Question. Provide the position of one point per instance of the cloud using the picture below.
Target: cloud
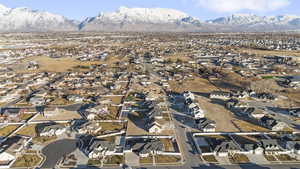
(237, 5)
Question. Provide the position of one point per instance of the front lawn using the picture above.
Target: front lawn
(285, 157)
(114, 160)
(94, 162)
(167, 159)
(238, 158)
(270, 158)
(210, 158)
(146, 160)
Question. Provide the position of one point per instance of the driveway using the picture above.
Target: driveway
(56, 150)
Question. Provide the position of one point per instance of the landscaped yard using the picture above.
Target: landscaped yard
(27, 160)
(238, 158)
(111, 126)
(285, 157)
(114, 160)
(146, 160)
(94, 162)
(167, 159)
(168, 145)
(210, 158)
(270, 158)
(4, 131)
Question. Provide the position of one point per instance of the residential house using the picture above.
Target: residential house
(293, 146)
(97, 148)
(220, 95)
(226, 148)
(254, 148)
(89, 128)
(272, 124)
(295, 82)
(37, 100)
(11, 149)
(93, 112)
(206, 125)
(271, 146)
(49, 130)
(146, 147)
(75, 98)
(155, 127)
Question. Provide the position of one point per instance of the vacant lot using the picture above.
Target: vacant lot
(269, 52)
(60, 115)
(219, 114)
(52, 64)
(246, 126)
(197, 85)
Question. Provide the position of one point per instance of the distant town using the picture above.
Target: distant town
(150, 100)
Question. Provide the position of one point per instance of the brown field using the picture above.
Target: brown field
(61, 115)
(269, 52)
(54, 64)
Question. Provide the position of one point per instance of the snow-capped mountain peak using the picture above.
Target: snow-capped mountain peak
(152, 15)
(26, 19)
(3, 9)
(250, 19)
(140, 18)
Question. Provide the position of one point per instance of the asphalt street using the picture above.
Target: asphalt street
(56, 150)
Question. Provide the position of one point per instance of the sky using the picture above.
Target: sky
(202, 9)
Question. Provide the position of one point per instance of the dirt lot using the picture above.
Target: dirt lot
(197, 85)
(51, 64)
(219, 114)
(56, 64)
(269, 52)
(61, 115)
(246, 126)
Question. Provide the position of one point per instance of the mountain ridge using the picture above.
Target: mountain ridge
(141, 19)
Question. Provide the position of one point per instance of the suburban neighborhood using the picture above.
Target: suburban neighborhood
(149, 101)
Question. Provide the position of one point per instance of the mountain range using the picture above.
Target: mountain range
(141, 19)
